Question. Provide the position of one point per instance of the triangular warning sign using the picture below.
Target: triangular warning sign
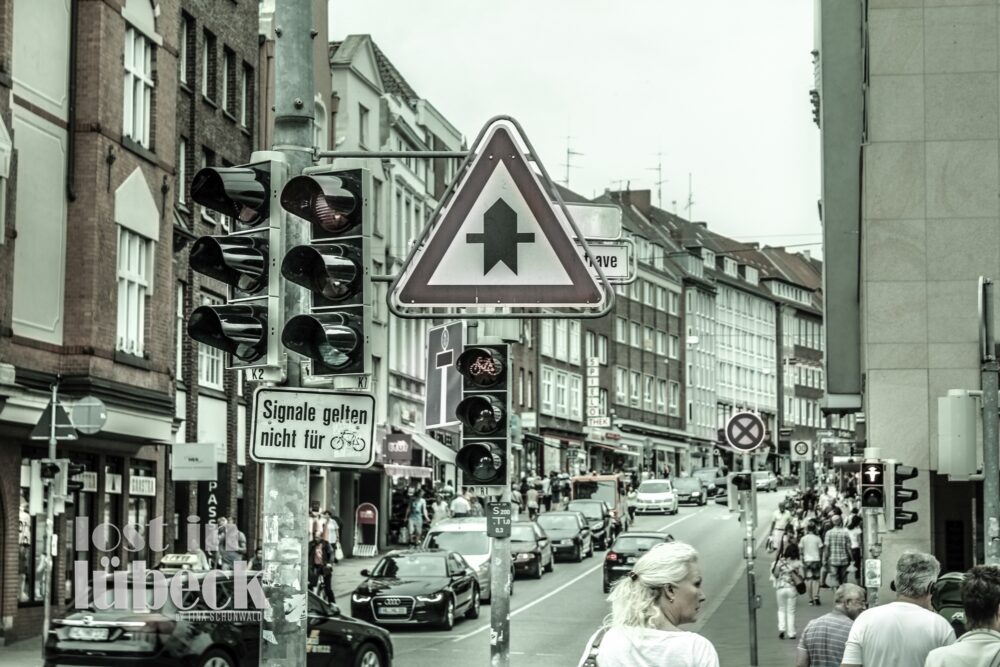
(64, 427)
(498, 241)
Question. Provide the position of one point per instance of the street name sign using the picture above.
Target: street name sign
(612, 257)
(313, 427)
(444, 382)
(745, 431)
(802, 450)
(498, 241)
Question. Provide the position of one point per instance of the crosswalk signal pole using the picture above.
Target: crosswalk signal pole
(748, 509)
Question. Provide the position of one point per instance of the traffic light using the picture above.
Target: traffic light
(741, 481)
(335, 266)
(69, 471)
(484, 413)
(873, 484)
(895, 475)
(245, 326)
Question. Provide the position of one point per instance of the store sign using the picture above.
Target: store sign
(113, 482)
(399, 448)
(142, 486)
(596, 414)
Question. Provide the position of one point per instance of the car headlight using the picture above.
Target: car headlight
(696, 493)
(436, 597)
(361, 597)
(525, 556)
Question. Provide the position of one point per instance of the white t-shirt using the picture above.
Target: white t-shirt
(810, 545)
(899, 634)
(647, 647)
(781, 519)
(460, 505)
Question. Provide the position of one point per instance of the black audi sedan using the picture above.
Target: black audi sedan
(569, 533)
(602, 526)
(203, 635)
(531, 549)
(626, 550)
(417, 586)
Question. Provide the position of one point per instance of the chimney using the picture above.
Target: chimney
(703, 225)
(806, 254)
(642, 200)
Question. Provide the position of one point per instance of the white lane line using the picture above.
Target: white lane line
(568, 583)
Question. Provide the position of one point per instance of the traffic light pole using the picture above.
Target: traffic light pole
(286, 487)
(500, 594)
(991, 439)
(749, 509)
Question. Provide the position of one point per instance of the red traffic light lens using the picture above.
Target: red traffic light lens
(322, 199)
(481, 367)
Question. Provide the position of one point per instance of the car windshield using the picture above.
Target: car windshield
(762, 474)
(466, 543)
(654, 487)
(558, 521)
(410, 565)
(522, 533)
(595, 490)
(634, 544)
(590, 510)
(687, 484)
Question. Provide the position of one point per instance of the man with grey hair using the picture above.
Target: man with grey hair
(822, 642)
(903, 632)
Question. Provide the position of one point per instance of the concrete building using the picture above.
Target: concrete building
(908, 113)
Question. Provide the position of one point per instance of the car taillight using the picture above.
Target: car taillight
(612, 556)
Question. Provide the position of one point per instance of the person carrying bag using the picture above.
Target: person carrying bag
(789, 583)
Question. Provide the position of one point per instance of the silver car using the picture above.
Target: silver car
(468, 537)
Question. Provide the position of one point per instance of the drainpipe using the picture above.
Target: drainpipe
(71, 139)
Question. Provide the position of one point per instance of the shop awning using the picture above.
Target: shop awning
(615, 448)
(438, 450)
(407, 471)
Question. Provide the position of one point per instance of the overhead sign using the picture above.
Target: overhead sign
(193, 462)
(444, 382)
(599, 422)
(745, 431)
(498, 241)
(802, 450)
(613, 258)
(63, 427)
(313, 427)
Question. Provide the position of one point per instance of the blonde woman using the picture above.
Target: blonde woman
(662, 593)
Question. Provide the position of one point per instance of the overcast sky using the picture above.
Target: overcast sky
(719, 87)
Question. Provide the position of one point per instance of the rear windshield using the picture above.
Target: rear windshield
(590, 510)
(522, 533)
(707, 474)
(762, 474)
(559, 521)
(636, 544)
(687, 484)
(654, 487)
(465, 543)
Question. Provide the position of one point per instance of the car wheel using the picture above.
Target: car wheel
(368, 656)
(473, 610)
(216, 658)
(578, 554)
(448, 620)
(537, 573)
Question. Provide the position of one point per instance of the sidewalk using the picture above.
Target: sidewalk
(729, 629)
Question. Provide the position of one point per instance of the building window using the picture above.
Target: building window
(621, 328)
(547, 390)
(575, 397)
(661, 298)
(133, 283)
(621, 385)
(547, 326)
(647, 338)
(661, 396)
(561, 351)
(208, 65)
(647, 392)
(181, 170)
(574, 342)
(138, 87)
(633, 387)
(210, 364)
(362, 126)
(228, 74)
(661, 342)
(182, 49)
(180, 333)
(531, 388)
(633, 334)
(602, 349)
(561, 407)
(674, 303)
(675, 347)
(591, 350)
(603, 398)
(245, 97)
(520, 387)
(675, 398)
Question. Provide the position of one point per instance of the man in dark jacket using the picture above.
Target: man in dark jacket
(321, 565)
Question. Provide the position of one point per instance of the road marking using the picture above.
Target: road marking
(568, 583)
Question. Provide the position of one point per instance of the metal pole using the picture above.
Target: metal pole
(50, 522)
(991, 438)
(500, 579)
(870, 539)
(749, 510)
(286, 487)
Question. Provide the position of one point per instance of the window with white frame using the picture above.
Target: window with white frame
(647, 338)
(228, 57)
(675, 398)
(647, 295)
(208, 65)
(547, 326)
(244, 97)
(675, 347)
(633, 334)
(602, 349)
(661, 342)
(621, 385)
(603, 398)
(634, 380)
(647, 392)
(561, 349)
(574, 342)
(547, 390)
(138, 87)
(591, 345)
(210, 359)
(520, 387)
(179, 322)
(182, 48)
(661, 396)
(575, 396)
(674, 303)
(181, 170)
(531, 388)
(133, 284)
(621, 330)
(561, 394)
(661, 298)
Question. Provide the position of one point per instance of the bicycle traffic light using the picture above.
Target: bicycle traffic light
(335, 267)
(484, 414)
(873, 484)
(895, 475)
(245, 326)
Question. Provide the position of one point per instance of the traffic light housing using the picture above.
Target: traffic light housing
(335, 266)
(484, 413)
(895, 475)
(245, 260)
(741, 481)
(873, 484)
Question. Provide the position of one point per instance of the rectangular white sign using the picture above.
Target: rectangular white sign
(194, 462)
(594, 361)
(595, 221)
(141, 486)
(313, 427)
(599, 421)
(612, 258)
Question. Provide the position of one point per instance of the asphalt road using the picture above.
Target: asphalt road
(552, 618)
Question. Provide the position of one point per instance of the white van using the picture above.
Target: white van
(467, 536)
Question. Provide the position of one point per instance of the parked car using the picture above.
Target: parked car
(765, 480)
(467, 537)
(626, 550)
(599, 517)
(530, 549)
(714, 479)
(110, 637)
(569, 533)
(656, 495)
(417, 586)
(690, 490)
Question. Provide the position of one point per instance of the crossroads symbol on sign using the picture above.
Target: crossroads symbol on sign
(745, 431)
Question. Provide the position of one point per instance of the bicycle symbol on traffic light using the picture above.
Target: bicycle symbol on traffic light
(348, 438)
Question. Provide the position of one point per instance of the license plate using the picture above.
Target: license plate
(393, 611)
(89, 634)
(630, 559)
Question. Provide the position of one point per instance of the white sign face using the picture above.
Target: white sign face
(141, 486)
(594, 362)
(313, 427)
(194, 462)
(873, 573)
(611, 258)
(801, 450)
(603, 422)
(595, 221)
